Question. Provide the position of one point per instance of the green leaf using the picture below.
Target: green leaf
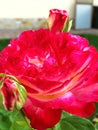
(64, 125)
(12, 121)
(65, 114)
(96, 126)
(21, 123)
(71, 122)
(5, 122)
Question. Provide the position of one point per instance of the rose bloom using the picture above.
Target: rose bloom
(59, 72)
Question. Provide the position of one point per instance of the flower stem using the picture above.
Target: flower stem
(25, 119)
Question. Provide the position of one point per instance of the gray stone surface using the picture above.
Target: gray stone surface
(13, 33)
(18, 23)
(11, 28)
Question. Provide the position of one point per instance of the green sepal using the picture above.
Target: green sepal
(22, 96)
(67, 25)
(1, 83)
(2, 79)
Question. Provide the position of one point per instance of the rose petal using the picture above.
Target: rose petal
(69, 103)
(41, 118)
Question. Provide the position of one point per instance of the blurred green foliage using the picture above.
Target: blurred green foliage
(4, 43)
(12, 121)
(93, 39)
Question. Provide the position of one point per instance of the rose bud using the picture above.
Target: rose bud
(58, 21)
(14, 95)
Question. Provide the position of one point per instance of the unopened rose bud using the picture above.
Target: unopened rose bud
(14, 94)
(58, 21)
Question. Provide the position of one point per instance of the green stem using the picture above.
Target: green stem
(25, 119)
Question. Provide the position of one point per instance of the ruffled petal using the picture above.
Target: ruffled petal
(69, 103)
(81, 109)
(88, 94)
(41, 118)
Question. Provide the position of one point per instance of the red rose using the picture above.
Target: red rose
(59, 72)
